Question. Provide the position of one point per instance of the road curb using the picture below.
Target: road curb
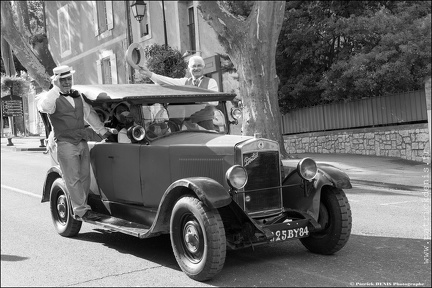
(392, 186)
(14, 148)
(31, 149)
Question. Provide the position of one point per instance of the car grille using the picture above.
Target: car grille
(263, 172)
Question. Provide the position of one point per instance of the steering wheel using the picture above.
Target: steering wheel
(158, 129)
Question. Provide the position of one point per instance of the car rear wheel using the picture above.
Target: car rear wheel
(198, 238)
(336, 221)
(61, 214)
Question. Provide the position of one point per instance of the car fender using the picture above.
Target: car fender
(52, 174)
(209, 191)
(301, 195)
(337, 177)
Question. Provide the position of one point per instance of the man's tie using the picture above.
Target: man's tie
(196, 82)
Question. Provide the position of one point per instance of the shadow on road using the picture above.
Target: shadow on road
(365, 259)
(12, 258)
(156, 249)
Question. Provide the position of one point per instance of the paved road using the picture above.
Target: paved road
(386, 246)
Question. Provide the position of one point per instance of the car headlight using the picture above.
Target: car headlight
(136, 133)
(307, 168)
(236, 113)
(236, 177)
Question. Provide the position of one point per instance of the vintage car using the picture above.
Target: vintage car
(183, 174)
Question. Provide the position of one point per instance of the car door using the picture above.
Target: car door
(117, 171)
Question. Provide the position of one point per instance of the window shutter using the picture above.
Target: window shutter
(109, 11)
(113, 68)
(99, 71)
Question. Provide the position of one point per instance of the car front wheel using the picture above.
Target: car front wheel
(61, 214)
(198, 238)
(336, 221)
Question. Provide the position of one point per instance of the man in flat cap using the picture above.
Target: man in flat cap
(68, 114)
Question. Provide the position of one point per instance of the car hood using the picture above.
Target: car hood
(200, 139)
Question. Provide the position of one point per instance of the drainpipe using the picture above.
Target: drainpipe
(130, 71)
(164, 22)
(197, 31)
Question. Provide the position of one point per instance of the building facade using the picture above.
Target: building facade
(93, 36)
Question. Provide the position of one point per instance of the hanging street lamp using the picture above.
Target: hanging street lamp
(138, 9)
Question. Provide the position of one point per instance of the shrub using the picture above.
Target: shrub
(163, 60)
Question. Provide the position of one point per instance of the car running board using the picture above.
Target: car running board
(120, 225)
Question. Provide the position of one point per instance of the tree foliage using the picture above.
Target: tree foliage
(14, 85)
(36, 18)
(163, 60)
(345, 50)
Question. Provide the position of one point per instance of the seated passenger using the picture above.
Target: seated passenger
(204, 117)
(156, 117)
(122, 121)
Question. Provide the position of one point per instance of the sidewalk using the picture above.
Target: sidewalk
(30, 143)
(389, 172)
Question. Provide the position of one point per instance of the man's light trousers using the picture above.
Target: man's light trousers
(75, 163)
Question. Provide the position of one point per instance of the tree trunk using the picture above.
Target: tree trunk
(39, 42)
(21, 48)
(7, 57)
(251, 45)
(40, 48)
(23, 18)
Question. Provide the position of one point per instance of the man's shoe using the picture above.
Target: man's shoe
(90, 216)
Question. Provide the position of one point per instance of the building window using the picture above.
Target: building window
(191, 27)
(106, 71)
(107, 68)
(144, 25)
(144, 29)
(103, 18)
(64, 31)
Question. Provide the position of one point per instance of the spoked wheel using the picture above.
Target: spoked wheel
(198, 238)
(335, 219)
(61, 214)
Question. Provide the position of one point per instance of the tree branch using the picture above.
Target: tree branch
(21, 48)
(221, 20)
(23, 18)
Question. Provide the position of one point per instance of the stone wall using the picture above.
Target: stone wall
(409, 142)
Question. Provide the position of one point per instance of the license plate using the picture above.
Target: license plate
(290, 230)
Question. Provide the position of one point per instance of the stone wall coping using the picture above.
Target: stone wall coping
(361, 130)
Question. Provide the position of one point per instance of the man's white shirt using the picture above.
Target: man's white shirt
(46, 103)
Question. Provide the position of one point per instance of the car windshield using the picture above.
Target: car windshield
(161, 119)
